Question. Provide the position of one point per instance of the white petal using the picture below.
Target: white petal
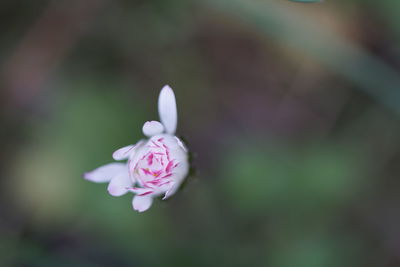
(142, 203)
(134, 159)
(181, 144)
(120, 184)
(124, 152)
(105, 173)
(167, 109)
(172, 190)
(151, 128)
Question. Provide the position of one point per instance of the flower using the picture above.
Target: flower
(155, 166)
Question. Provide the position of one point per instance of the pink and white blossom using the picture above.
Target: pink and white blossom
(155, 166)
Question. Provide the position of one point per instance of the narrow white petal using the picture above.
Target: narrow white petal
(124, 152)
(181, 144)
(151, 128)
(105, 173)
(142, 203)
(167, 109)
(120, 184)
(172, 190)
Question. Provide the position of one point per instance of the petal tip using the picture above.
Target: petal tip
(142, 204)
(123, 152)
(115, 192)
(112, 191)
(88, 176)
(141, 209)
(167, 92)
(151, 128)
(104, 173)
(115, 156)
(167, 88)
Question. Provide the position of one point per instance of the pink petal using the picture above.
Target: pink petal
(142, 203)
(169, 166)
(167, 109)
(120, 184)
(140, 191)
(151, 128)
(105, 173)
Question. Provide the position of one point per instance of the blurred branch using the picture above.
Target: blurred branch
(368, 72)
(44, 47)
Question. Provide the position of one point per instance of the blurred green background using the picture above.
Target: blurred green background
(290, 110)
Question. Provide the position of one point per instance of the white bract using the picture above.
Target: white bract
(155, 166)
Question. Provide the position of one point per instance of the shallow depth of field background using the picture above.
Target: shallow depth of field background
(291, 112)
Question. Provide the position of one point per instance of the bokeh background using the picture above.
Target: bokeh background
(291, 112)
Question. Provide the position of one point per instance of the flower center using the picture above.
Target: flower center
(155, 167)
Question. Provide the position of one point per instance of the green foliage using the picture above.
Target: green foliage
(270, 178)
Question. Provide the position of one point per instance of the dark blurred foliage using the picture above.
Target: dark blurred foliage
(290, 110)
